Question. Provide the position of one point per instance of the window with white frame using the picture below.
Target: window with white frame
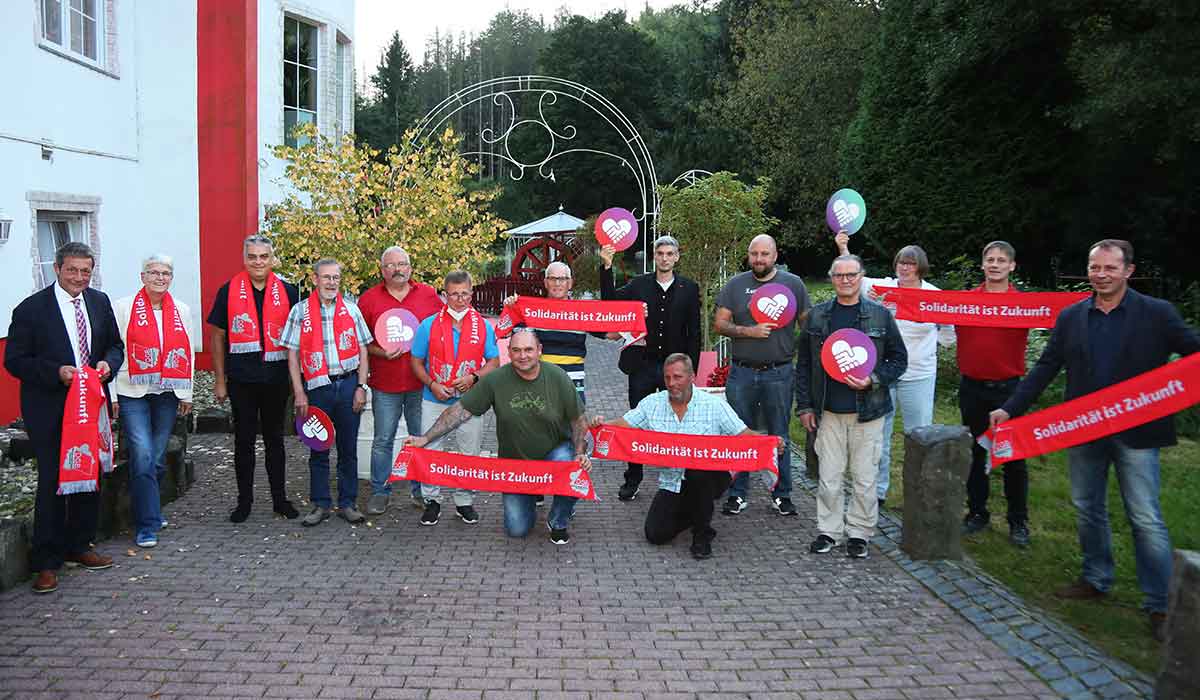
(300, 48)
(54, 230)
(341, 69)
(76, 26)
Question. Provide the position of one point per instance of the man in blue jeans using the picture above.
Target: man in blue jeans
(538, 417)
(759, 386)
(1115, 335)
(327, 340)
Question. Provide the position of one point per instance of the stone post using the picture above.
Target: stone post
(936, 461)
(1180, 676)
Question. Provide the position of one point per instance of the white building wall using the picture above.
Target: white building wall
(335, 20)
(121, 139)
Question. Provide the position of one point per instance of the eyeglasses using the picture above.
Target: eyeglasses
(329, 278)
(845, 275)
(558, 279)
(393, 266)
(458, 295)
(158, 273)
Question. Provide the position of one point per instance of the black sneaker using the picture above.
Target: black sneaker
(822, 545)
(856, 547)
(975, 522)
(559, 536)
(701, 550)
(239, 514)
(628, 492)
(784, 506)
(734, 505)
(467, 513)
(433, 512)
(1018, 534)
(287, 510)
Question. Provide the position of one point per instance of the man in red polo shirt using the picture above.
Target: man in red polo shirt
(395, 390)
(992, 362)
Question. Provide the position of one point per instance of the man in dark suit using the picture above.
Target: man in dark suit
(672, 325)
(1115, 335)
(54, 332)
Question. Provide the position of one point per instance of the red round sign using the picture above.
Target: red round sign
(315, 430)
(616, 227)
(773, 303)
(395, 330)
(848, 352)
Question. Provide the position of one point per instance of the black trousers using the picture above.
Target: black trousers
(61, 524)
(976, 400)
(645, 381)
(692, 508)
(252, 405)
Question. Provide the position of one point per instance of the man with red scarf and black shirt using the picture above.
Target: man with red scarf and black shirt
(452, 350)
(250, 369)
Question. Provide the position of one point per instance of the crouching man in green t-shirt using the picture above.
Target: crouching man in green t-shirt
(538, 417)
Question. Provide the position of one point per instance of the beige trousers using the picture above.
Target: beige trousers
(843, 442)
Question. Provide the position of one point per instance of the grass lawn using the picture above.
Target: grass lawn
(1117, 625)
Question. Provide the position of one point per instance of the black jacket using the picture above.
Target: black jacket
(811, 379)
(1153, 331)
(680, 324)
(38, 344)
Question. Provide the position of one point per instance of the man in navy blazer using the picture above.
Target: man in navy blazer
(1115, 335)
(44, 350)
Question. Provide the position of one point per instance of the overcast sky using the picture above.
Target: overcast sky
(375, 20)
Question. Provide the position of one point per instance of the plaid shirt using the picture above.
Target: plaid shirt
(706, 415)
(290, 338)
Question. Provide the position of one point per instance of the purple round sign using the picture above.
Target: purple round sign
(395, 330)
(848, 352)
(846, 211)
(315, 430)
(773, 303)
(616, 227)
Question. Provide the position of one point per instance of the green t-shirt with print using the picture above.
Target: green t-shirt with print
(532, 417)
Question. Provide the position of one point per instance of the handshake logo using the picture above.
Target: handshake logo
(580, 483)
(397, 332)
(847, 356)
(774, 306)
(314, 429)
(616, 230)
(845, 213)
(400, 468)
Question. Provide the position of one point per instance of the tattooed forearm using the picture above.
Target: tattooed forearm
(579, 431)
(450, 419)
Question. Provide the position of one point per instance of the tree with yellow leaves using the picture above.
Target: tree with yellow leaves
(348, 203)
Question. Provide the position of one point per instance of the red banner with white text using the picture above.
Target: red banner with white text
(993, 309)
(733, 453)
(493, 474)
(1133, 402)
(573, 315)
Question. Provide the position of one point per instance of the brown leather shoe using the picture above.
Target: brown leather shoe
(1158, 626)
(1080, 590)
(46, 581)
(89, 560)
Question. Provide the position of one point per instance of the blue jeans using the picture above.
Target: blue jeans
(520, 510)
(763, 400)
(337, 400)
(146, 423)
(1138, 478)
(913, 398)
(388, 408)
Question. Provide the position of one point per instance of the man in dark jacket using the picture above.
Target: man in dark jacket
(848, 417)
(672, 325)
(54, 332)
(1113, 336)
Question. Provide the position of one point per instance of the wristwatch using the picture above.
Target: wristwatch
(475, 377)
(362, 386)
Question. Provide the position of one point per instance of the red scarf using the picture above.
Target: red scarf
(312, 341)
(446, 365)
(732, 453)
(166, 363)
(493, 474)
(87, 444)
(573, 315)
(995, 309)
(1128, 404)
(244, 321)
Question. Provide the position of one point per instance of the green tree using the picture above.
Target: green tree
(714, 221)
(382, 120)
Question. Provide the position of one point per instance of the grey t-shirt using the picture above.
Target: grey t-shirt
(781, 345)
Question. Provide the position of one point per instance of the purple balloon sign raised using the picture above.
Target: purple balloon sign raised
(846, 211)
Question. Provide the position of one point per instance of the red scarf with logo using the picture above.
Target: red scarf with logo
(446, 365)
(243, 317)
(731, 453)
(312, 341)
(87, 444)
(573, 315)
(166, 362)
(995, 309)
(1128, 404)
(493, 474)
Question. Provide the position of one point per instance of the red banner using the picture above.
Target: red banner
(1133, 402)
(993, 309)
(573, 315)
(732, 453)
(492, 474)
